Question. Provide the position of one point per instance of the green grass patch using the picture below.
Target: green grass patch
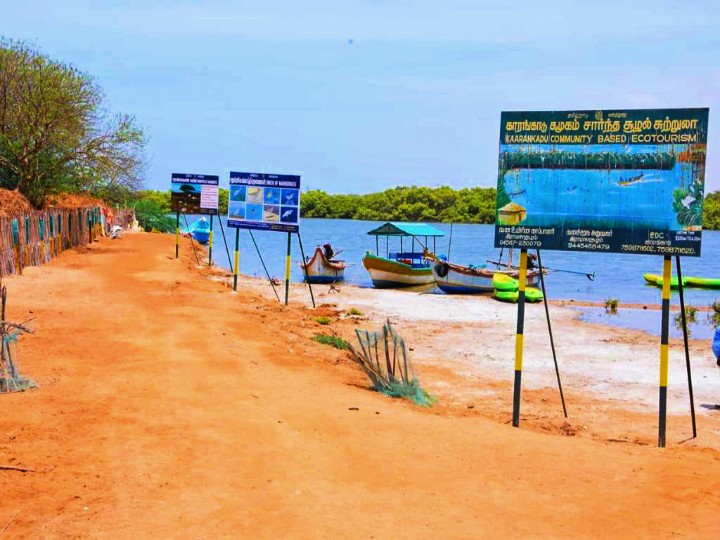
(356, 312)
(333, 341)
(323, 320)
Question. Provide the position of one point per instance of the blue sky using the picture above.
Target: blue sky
(365, 95)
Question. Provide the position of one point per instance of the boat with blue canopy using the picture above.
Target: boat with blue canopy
(404, 267)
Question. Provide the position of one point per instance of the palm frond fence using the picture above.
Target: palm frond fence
(35, 238)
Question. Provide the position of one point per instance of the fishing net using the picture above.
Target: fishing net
(10, 378)
(383, 357)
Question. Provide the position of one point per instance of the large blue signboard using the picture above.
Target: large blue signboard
(269, 202)
(194, 193)
(623, 181)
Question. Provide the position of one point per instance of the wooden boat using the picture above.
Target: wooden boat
(401, 268)
(318, 269)
(456, 279)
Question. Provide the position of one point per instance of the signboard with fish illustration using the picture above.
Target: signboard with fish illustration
(194, 193)
(268, 202)
(620, 181)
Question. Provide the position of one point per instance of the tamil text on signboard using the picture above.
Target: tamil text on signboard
(264, 201)
(623, 181)
(194, 193)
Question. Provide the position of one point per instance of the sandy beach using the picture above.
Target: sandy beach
(170, 406)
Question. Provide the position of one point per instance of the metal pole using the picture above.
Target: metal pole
(236, 267)
(664, 334)
(177, 234)
(552, 342)
(687, 348)
(519, 338)
(227, 250)
(307, 279)
(449, 243)
(263, 264)
(287, 271)
(192, 244)
(211, 241)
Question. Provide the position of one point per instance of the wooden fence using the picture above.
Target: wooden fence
(37, 237)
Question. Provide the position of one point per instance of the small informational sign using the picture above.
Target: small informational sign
(194, 193)
(620, 181)
(268, 202)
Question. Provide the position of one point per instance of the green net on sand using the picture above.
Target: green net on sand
(383, 357)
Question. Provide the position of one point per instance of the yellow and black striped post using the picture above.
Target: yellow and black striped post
(287, 271)
(236, 267)
(664, 334)
(522, 279)
(177, 235)
(210, 241)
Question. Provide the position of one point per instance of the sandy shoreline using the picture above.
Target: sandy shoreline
(170, 406)
(476, 334)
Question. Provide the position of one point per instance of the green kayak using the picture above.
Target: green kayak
(705, 283)
(656, 280)
(505, 283)
(689, 281)
(531, 295)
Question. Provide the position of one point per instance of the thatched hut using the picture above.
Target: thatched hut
(511, 214)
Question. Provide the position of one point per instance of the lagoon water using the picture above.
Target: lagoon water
(616, 276)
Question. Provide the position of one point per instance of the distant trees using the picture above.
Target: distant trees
(407, 203)
(443, 204)
(55, 134)
(711, 211)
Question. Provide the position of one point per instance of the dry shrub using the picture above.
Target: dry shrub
(13, 204)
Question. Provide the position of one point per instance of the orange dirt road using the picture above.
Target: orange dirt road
(169, 407)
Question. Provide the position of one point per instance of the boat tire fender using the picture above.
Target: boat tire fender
(442, 269)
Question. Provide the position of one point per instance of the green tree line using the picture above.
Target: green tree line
(411, 203)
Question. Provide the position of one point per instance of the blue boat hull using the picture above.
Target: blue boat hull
(201, 236)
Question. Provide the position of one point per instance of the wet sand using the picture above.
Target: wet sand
(170, 406)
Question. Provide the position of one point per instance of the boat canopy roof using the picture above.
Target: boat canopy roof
(392, 228)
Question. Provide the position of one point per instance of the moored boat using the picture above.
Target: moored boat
(457, 279)
(199, 230)
(320, 269)
(401, 268)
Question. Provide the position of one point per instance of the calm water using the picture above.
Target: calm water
(616, 276)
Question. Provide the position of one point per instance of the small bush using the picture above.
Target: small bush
(611, 305)
(150, 215)
(356, 312)
(333, 341)
(713, 317)
(323, 320)
(690, 318)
